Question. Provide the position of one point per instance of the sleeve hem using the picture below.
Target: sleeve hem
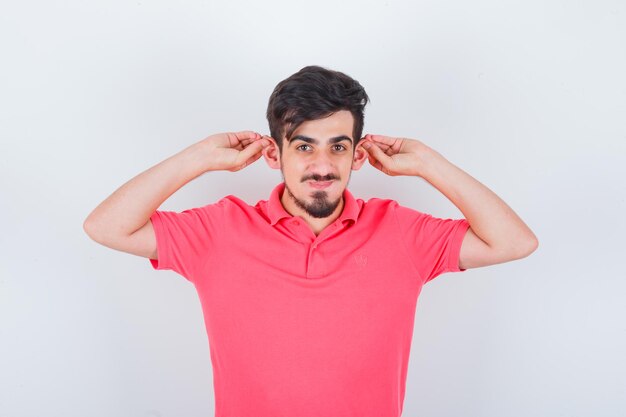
(161, 262)
(455, 247)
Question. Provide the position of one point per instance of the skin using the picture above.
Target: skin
(496, 234)
(301, 162)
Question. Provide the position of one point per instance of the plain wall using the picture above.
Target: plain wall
(527, 97)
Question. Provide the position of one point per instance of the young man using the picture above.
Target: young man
(309, 297)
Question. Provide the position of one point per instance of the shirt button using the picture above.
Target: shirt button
(297, 223)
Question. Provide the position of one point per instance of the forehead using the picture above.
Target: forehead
(340, 123)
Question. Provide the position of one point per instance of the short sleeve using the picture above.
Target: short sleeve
(185, 239)
(434, 244)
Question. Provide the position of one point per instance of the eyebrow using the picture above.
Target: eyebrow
(307, 139)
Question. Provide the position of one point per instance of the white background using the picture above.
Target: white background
(529, 97)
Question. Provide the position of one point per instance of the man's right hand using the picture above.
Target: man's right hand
(234, 151)
(122, 221)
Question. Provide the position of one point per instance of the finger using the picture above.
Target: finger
(388, 140)
(382, 159)
(379, 138)
(243, 137)
(373, 162)
(247, 134)
(374, 150)
(248, 140)
(384, 142)
(384, 146)
(249, 154)
(254, 158)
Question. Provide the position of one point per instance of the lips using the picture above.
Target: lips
(320, 184)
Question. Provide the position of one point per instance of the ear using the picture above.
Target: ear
(360, 155)
(271, 153)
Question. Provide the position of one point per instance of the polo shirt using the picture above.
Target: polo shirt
(305, 325)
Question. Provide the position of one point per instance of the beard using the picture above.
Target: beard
(320, 207)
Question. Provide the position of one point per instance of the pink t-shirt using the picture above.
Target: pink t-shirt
(302, 325)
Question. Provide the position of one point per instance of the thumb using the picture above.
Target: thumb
(252, 152)
(381, 159)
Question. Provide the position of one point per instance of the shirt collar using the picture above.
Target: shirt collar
(276, 211)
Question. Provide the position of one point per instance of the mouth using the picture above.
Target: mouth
(320, 184)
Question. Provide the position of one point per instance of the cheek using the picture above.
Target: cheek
(346, 166)
(293, 171)
(296, 167)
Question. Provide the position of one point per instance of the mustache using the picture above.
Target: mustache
(321, 178)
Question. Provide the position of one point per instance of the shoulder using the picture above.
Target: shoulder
(377, 204)
(227, 207)
(232, 204)
(376, 209)
(232, 201)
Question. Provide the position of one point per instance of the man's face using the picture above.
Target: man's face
(317, 163)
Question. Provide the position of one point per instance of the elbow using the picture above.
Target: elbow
(535, 245)
(529, 246)
(533, 242)
(89, 229)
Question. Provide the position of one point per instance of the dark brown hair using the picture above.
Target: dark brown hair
(313, 93)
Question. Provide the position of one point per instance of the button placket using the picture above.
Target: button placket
(315, 267)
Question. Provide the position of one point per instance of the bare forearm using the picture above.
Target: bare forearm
(488, 215)
(131, 205)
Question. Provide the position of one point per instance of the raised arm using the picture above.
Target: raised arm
(496, 234)
(122, 221)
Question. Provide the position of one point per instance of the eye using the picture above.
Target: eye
(341, 147)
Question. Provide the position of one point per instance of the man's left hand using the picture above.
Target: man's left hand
(395, 156)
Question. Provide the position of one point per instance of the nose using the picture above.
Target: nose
(323, 167)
